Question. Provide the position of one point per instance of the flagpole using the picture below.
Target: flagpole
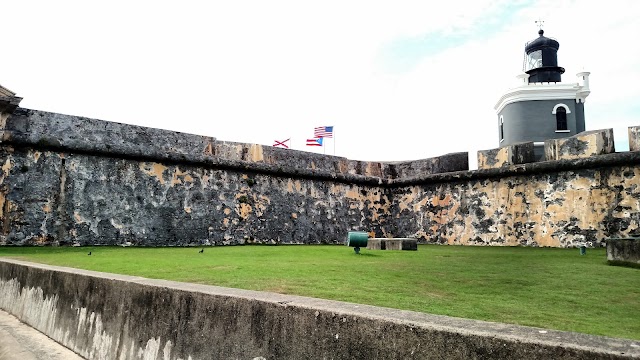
(334, 141)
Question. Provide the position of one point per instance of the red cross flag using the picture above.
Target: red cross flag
(282, 143)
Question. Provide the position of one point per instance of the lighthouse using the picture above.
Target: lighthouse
(542, 107)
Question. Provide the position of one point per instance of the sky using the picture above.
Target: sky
(398, 80)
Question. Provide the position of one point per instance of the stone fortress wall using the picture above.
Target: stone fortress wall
(69, 180)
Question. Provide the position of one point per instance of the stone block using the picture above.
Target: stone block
(436, 165)
(493, 158)
(367, 168)
(623, 251)
(520, 153)
(582, 145)
(392, 244)
(409, 244)
(634, 138)
(375, 244)
(8, 104)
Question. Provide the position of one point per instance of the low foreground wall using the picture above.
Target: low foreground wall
(624, 251)
(106, 316)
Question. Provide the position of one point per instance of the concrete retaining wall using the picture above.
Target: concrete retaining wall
(106, 316)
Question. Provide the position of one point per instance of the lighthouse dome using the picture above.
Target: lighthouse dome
(541, 42)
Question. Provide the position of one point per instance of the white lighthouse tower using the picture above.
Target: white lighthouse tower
(542, 107)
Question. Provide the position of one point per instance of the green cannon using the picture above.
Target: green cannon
(357, 239)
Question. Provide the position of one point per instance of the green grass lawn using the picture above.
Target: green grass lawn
(543, 287)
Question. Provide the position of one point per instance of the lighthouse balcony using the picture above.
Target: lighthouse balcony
(577, 91)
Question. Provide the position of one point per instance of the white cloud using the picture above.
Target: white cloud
(254, 71)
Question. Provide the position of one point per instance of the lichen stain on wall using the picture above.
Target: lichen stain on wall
(405, 201)
(360, 198)
(5, 205)
(149, 203)
(294, 186)
(238, 151)
(6, 168)
(116, 200)
(484, 212)
(35, 156)
(243, 209)
(180, 177)
(255, 153)
(493, 159)
(564, 209)
(154, 169)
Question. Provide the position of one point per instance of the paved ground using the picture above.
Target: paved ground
(21, 342)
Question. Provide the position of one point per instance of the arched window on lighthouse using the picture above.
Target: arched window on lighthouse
(561, 111)
(501, 128)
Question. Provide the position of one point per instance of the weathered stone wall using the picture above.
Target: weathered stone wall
(71, 180)
(441, 164)
(107, 316)
(256, 153)
(560, 204)
(68, 198)
(583, 145)
(45, 130)
(42, 129)
(514, 154)
(634, 138)
(278, 157)
(8, 104)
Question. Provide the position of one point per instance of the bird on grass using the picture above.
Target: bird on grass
(201, 251)
(89, 253)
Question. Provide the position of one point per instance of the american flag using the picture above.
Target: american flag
(314, 142)
(323, 132)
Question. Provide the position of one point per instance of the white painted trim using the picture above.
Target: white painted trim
(538, 143)
(563, 131)
(555, 108)
(524, 78)
(542, 91)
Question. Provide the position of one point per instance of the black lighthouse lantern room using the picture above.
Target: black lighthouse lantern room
(541, 60)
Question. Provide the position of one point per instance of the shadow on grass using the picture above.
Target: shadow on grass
(365, 254)
(623, 264)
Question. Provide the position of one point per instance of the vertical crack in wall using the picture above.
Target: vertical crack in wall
(63, 218)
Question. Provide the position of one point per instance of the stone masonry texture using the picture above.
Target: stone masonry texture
(585, 144)
(68, 180)
(558, 209)
(520, 153)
